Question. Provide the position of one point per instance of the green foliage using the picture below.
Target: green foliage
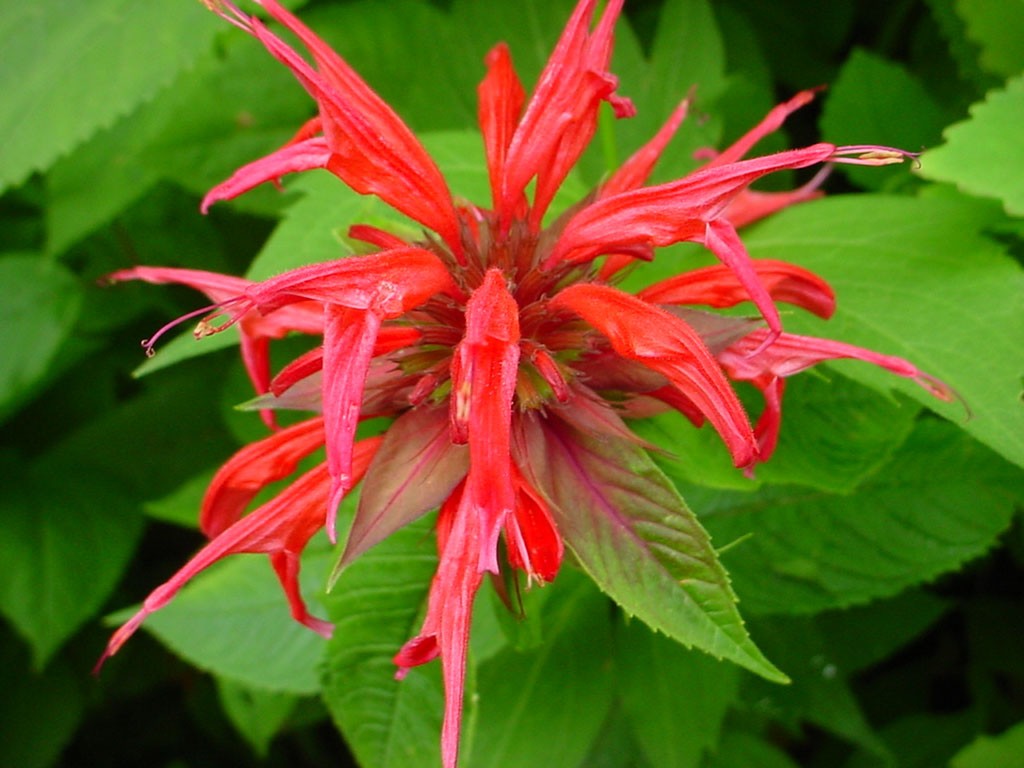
(878, 556)
(979, 151)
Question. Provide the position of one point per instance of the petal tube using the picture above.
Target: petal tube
(666, 344)
(483, 385)
(445, 630)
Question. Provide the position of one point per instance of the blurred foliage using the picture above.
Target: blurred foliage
(879, 558)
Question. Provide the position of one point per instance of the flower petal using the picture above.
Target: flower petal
(251, 469)
(445, 630)
(372, 150)
(500, 97)
(484, 372)
(665, 344)
(718, 286)
(284, 524)
(292, 158)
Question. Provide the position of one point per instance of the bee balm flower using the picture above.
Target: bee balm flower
(497, 341)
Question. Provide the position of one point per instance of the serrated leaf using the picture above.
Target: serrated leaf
(997, 26)
(636, 538)
(233, 621)
(545, 706)
(859, 109)
(376, 606)
(835, 433)
(811, 551)
(652, 671)
(914, 278)
(58, 522)
(979, 151)
(79, 66)
(42, 301)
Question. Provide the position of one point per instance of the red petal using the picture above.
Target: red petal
(483, 384)
(669, 213)
(251, 469)
(634, 172)
(372, 150)
(500, 98)
(349, 336)
(718, 286)
(303, 156)
(390, 282)
(666, 344)
(534, 545)
(561, 116)
(446, 628)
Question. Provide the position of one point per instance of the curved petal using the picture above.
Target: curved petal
(251, 469)
(665, 344)
(302, 156)
(281, 528)
(484, 372)
(718, 286)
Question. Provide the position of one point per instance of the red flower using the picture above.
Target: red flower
(495, 333)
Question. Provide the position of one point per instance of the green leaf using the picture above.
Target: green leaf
(914, 278)
(995, 25)
(835, 433)
(79, 66)
(258, 715)
(545, 706)
(652, 674)
(861, 636)
(1002, 751)
(819, 693)
(40, 710)
(636, 538)
(914, 520)
(376, 606)
(740, 749)
(978, 151)
(859, 108)
(233, 621)
(42, 301)
(58, 522)
(423, 62)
